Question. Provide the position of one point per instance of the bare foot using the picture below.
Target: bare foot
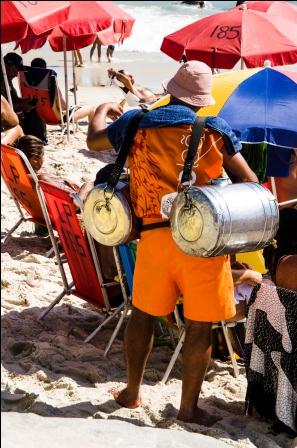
(198, 416)
(125, 399)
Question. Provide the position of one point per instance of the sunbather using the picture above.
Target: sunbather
(25, 108)
(80, 112)
(134, 94)
(33, 148)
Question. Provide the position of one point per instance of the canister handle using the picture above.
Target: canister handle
(198, 127)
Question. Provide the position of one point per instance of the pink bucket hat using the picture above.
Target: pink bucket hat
(192, 84)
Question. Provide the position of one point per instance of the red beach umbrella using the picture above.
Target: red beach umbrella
(282, 9)
(19, 19)
(221, 40)
(108, 21)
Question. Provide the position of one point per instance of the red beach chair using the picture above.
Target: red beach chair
(79, 249)
(41, 83)
(21, 182)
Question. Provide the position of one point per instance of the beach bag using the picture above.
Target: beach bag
(108, 212)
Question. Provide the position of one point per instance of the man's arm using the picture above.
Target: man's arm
(12, 135)
(9, 118)
(97, 139)
(237, 166)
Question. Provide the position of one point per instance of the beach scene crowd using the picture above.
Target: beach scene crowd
(149, 224)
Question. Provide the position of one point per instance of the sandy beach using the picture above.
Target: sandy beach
(46, 367)
(49, 375)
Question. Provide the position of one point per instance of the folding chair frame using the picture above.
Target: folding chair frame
(71, 117)
(182, 334)
(70, 289)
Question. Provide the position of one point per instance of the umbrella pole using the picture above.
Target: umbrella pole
(241, 64)
(66, 87)
(6, 80)
(74, 80)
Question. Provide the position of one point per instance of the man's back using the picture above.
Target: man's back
(157, 156)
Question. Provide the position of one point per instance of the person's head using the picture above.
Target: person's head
(191, 85)
(124, 72)
(13, 64)
(38, 63)
(33, 148)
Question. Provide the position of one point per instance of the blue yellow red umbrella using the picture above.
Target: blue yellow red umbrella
(259, 104)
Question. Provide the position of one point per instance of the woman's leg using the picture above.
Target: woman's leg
(80, 57)
(83, 112)
(92, 50)
(99, 52)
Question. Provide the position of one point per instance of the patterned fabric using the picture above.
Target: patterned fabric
(171, 115)
(271, 355)
(156, 163)
(160, 147)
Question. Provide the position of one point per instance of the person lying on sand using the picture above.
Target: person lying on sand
(134, 94)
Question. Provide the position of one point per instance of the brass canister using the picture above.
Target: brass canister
(109, 216)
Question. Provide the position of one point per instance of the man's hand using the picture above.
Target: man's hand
(114, 110)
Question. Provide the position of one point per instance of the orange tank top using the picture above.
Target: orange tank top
(156, 163)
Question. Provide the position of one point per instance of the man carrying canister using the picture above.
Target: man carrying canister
(163, 271)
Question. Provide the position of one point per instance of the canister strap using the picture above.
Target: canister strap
(154, 225)
(198, 127)
(124, 150)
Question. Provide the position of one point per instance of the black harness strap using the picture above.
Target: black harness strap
(124, 150)
(198, 127)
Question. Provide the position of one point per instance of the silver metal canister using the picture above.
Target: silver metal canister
(110, 218)
(214, 220)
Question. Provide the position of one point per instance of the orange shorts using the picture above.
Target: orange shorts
(163, 272)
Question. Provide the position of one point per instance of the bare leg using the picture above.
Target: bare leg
(84, 190)
(80, 57)
(84, 111)
(13, 134)
(92, 50)
(196, 356)
(99, 52)
(75, 58)
(138, 344)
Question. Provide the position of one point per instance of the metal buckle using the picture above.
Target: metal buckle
(108, 198)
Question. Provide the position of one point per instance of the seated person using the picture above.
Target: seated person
(244, 280)
(33, 148)
(286, 272)
(80, 112)
(285, 240)
(25, 108)
(10, 128)
(134, 94)
(38, 63)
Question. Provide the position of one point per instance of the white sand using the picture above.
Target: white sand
(46, 368)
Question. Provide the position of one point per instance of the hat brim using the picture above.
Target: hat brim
(185, 95)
